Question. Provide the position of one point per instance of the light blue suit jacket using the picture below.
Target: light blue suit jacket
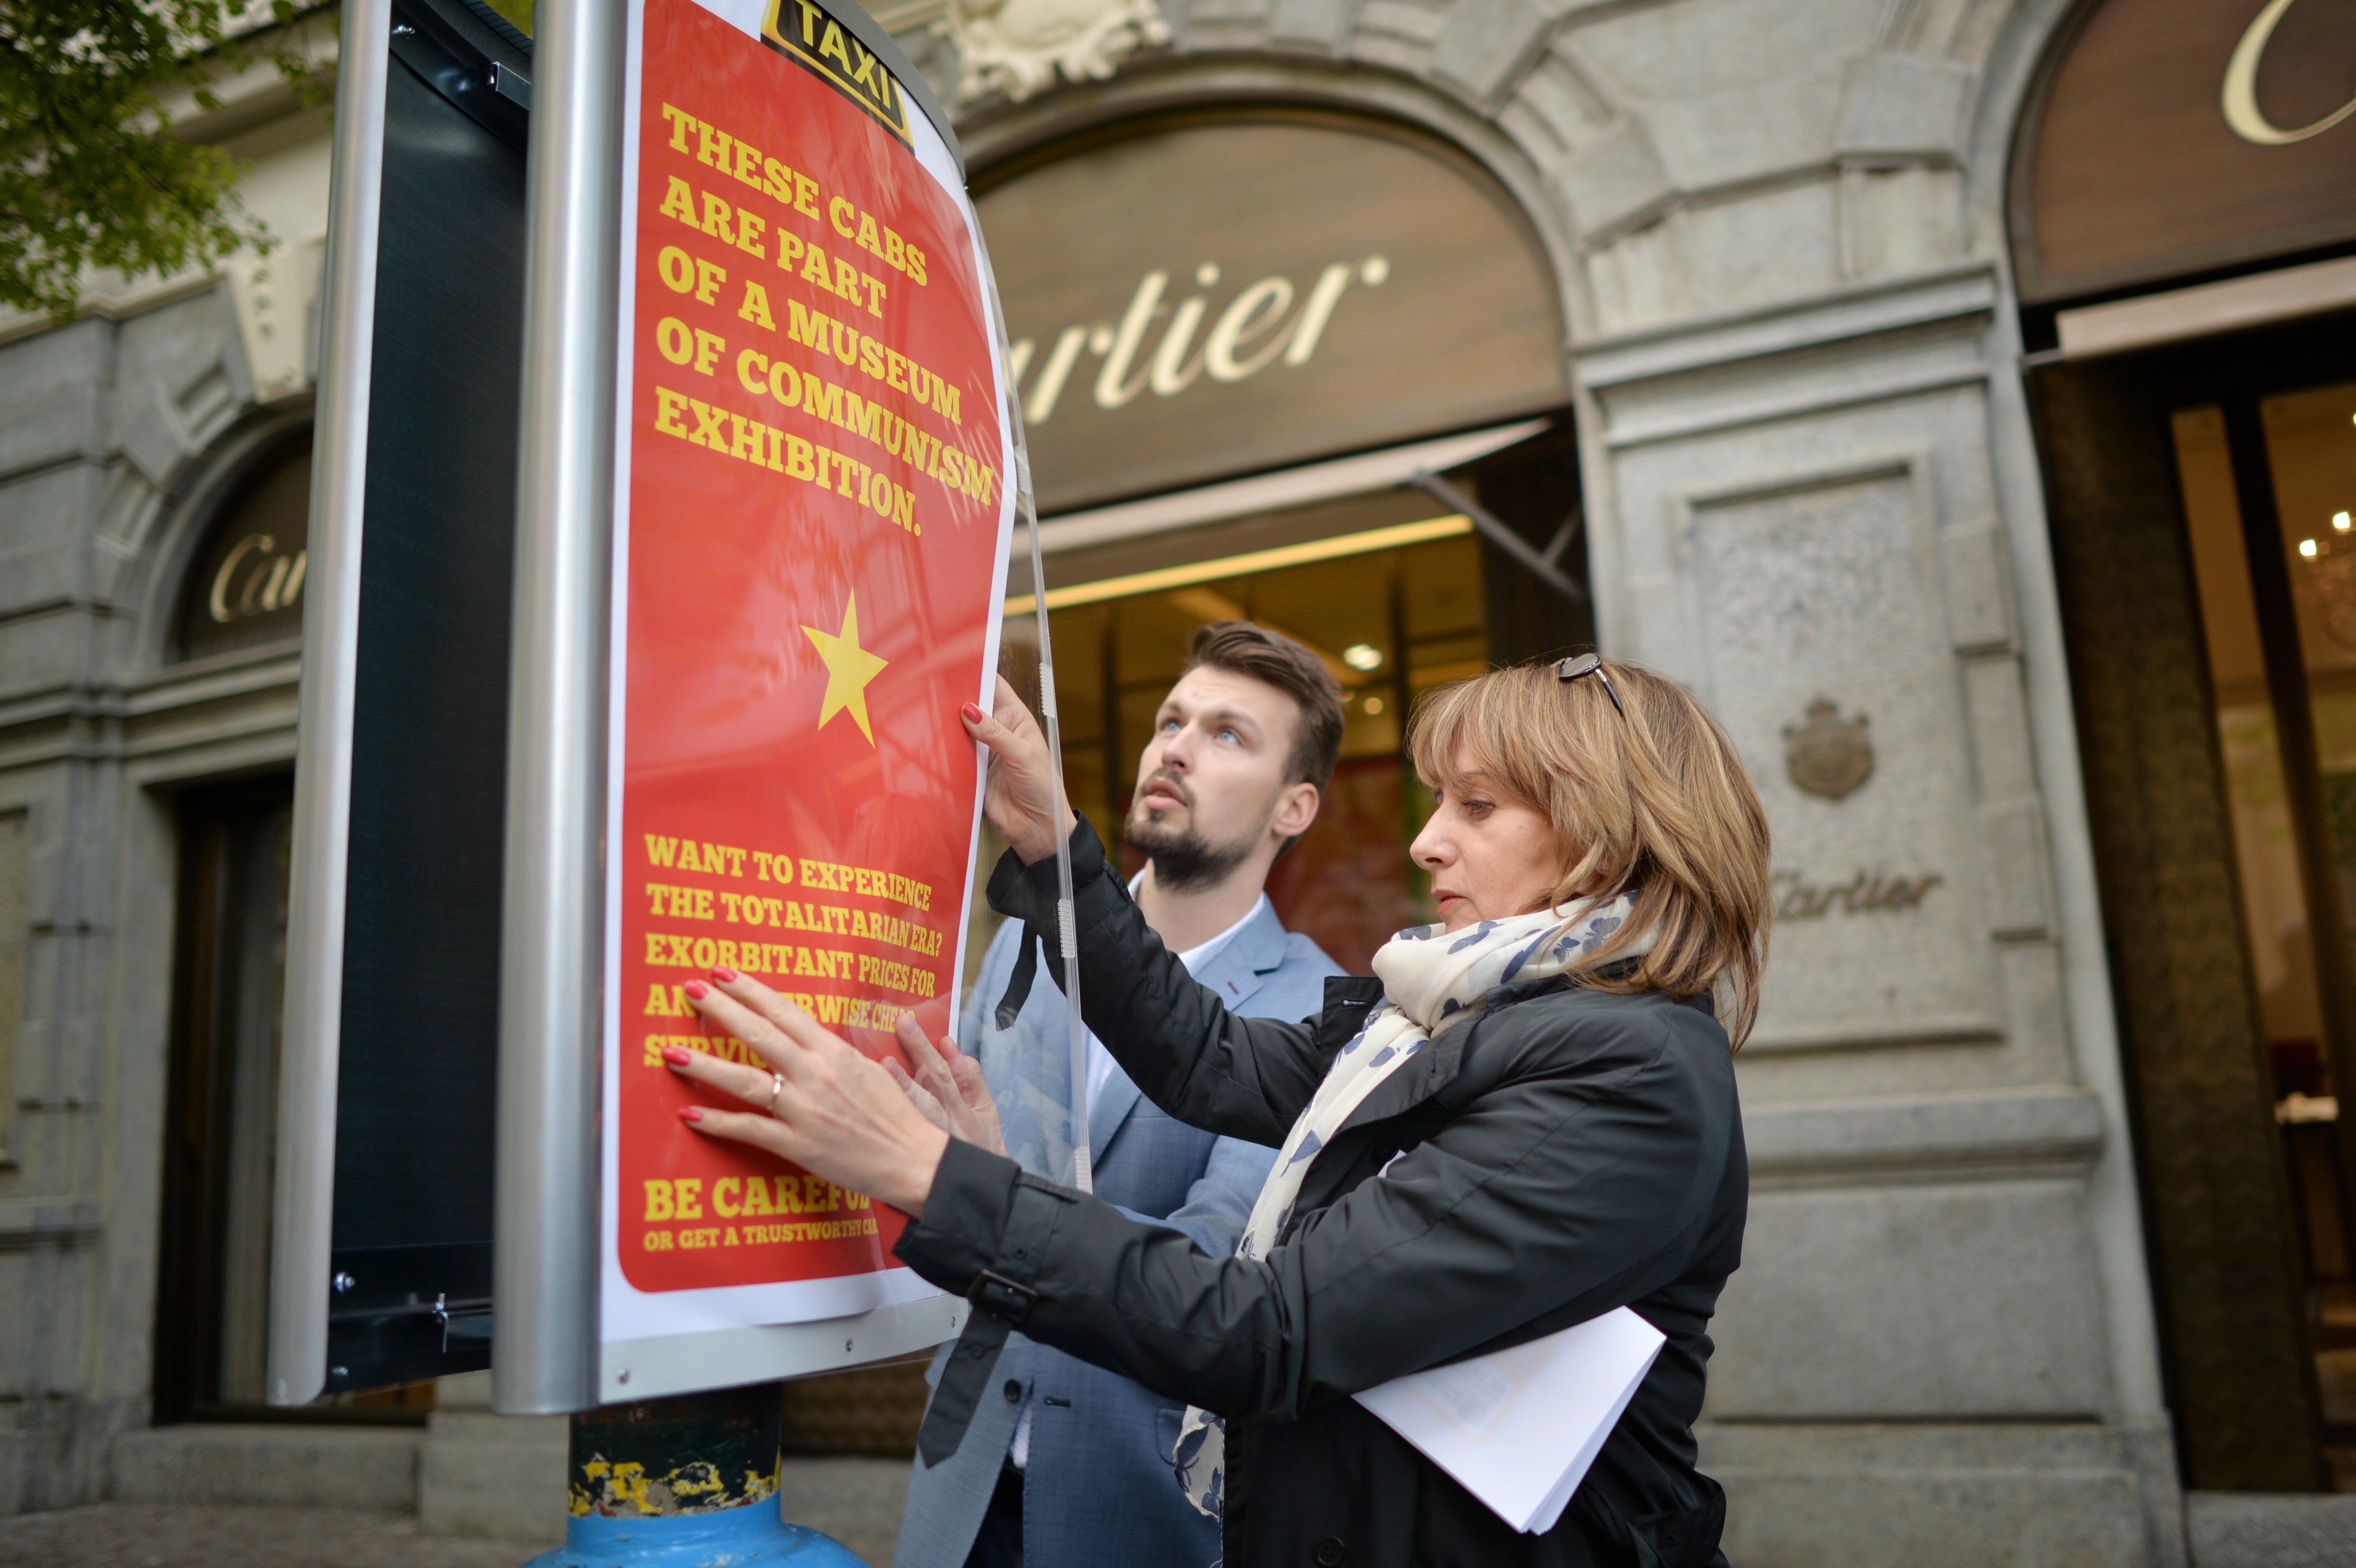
(1097, 1491)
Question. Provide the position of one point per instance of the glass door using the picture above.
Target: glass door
(212, 1299)
(221, 1135)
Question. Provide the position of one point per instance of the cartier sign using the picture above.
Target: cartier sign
(246, 584)
(2180, 135)
(1199, 299)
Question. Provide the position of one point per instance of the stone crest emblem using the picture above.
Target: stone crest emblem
(1829, 755)
(1016, 47)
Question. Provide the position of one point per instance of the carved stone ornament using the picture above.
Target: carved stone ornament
(1829, 755)
(1016, 47)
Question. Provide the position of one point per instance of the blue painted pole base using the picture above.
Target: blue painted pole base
(755, 1536)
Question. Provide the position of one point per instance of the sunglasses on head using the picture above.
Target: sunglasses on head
(1578, 664)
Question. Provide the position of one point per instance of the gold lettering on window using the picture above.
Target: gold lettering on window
(2241, 95)
(1256, 328)
(253, 580)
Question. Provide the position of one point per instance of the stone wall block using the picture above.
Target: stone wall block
(69, 1265)
(1998, 708)
(148, 430)
(1975, 574)
(48, 394)
(2239, 1530)
(37, 1035)
(1397, 35)
(53, 1454)
(1222, 24)
(501, 1477)
(1615, 182)
(1314, 24)
(2040, 1126)
(16, 1467)
(1904, 105)
(41, 553)
(124, 522)
(1553, 108)
(16, 1307)
(2019, 879)
(369, 1468)
(1820, 588)
(181, 378)
(1901, 219)
(2036, 1012)
(40, 651)
(182, 343)
(1930, 1300)
(157, 422)
(36, 433)
(1928, 1496)
(1488, 44)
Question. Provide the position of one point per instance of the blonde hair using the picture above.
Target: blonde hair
(1654, 801)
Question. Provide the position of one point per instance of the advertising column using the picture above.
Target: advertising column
(812, 519)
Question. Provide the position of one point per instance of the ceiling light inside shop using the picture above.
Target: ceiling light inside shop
(1374, 705)
(2306, 548)
(1396, 537)
(1364, 656)
(2339, 521)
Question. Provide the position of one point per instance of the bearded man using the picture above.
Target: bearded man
(1071, 1468)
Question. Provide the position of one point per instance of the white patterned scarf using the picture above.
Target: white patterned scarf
(1432, 981)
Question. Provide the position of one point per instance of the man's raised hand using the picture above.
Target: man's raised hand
(1020, 799)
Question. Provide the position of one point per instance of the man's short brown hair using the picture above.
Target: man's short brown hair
(1279, 661)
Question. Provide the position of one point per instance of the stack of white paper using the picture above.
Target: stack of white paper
(1518, 1429)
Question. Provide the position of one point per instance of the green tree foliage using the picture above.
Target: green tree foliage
(93, 172)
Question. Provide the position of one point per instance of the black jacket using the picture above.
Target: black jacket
(1571, 1152)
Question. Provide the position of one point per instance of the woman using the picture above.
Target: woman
(1528, 1121)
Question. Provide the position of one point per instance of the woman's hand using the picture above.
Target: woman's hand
(824, 1106)
(948, 1088)
(1020, 799)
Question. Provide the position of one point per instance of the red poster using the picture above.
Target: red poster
(813, 510)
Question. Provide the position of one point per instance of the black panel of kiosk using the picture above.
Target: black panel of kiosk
(416, 1094)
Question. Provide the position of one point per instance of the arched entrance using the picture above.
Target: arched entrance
(2183, 213)
(1240, 334)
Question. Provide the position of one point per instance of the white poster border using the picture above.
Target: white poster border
(672, 1341)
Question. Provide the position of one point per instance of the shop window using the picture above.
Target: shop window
(2279, 618)
(1391, 620)
(245, 587)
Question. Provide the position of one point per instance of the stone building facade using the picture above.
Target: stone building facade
(1778, 242)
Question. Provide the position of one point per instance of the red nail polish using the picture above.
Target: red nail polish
(972, 712)
(697, 989)
(677, 1055)
(691, 1113)
(723, 974)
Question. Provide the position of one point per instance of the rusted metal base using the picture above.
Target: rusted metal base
(689, 1482)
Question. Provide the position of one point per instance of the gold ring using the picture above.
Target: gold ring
(777, 1082)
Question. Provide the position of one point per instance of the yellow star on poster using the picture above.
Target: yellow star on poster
(849, 668)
